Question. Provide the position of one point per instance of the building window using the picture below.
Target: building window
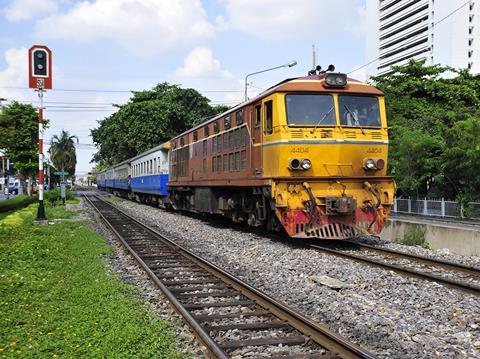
(226, 123)
(219, 143)
(204, 147)
(239, 117)
(472, 4)
(470, 53)
(204, 165)
(182, 141)
(470, 65)
(470, 17)
(470, 42)
(214, 164)
(195, 136)
(470, 30)
(216, 126)
(206, 131)
(269, 117)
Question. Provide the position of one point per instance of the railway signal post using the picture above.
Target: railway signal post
(40, 79)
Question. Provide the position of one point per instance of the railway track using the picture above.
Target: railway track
(226, 314)
(452, 274)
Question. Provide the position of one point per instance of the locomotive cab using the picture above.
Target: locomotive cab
(325, 147)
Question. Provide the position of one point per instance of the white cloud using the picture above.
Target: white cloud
(144, 27)
(201, 63)
(202, 70)
(19, 10)
(280, 19)
(15, 74)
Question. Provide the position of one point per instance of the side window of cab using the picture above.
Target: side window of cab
(268, 117)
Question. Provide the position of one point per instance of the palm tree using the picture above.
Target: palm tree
(62, 152)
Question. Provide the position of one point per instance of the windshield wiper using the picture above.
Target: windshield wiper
(355, 119)
(323, 118)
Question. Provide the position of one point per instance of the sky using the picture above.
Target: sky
(103, 49)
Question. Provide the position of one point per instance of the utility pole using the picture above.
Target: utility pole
(314, 57)
(4, 170)
(41, 207)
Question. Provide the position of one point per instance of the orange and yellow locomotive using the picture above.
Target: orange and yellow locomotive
(308, 155)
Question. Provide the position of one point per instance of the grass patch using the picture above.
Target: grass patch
(56, 299)
(54, 196)
(113, 199)
(415, 236)
(17, 202)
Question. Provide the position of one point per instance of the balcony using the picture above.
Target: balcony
(382, 70)
(409, 52)
(405, 24)
(400, 7)
(405, 34)
(406, 43)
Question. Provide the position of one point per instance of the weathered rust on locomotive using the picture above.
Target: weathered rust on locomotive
(308, 155)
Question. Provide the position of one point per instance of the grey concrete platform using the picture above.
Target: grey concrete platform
(457, 236)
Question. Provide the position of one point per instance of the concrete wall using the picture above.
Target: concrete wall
(458, 239)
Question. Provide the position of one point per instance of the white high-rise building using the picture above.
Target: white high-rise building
(445, 32)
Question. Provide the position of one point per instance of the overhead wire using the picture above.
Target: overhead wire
(107, 91)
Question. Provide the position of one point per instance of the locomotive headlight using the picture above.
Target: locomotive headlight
(295, 164)
(336, 80)
(369, 164)
(306, 164)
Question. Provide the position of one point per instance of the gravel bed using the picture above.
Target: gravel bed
(442, 253)
(121, 264)
(391, 315)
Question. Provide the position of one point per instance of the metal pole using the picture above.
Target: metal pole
(290, 64)
(41, 208)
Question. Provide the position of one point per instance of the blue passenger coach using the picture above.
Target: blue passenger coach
(143, 178)
(150, 172)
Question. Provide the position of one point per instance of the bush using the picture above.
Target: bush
(54, 196)
(16, 202)
(415, 236)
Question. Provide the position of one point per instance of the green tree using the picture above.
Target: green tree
(19, 137)
(148, 119)
(62, 152)
(434, 118)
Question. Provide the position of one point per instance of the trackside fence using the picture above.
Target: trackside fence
(437, 208)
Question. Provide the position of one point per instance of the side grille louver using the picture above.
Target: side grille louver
(350, 134)
(326, 134)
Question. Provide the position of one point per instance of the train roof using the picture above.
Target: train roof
(313, 83)
(163, 146)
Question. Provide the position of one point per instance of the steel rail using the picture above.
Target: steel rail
(424, 259)
(463, 285)
(317, 332)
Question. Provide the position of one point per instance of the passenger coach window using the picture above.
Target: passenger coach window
(359, 111)
(269, 117)
(310, 110)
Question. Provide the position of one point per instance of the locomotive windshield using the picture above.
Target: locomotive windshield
(310, 110)
(360, 111)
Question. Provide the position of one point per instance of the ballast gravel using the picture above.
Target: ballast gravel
(391, 315)
(124, 267)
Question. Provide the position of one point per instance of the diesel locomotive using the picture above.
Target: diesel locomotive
(307, 156)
